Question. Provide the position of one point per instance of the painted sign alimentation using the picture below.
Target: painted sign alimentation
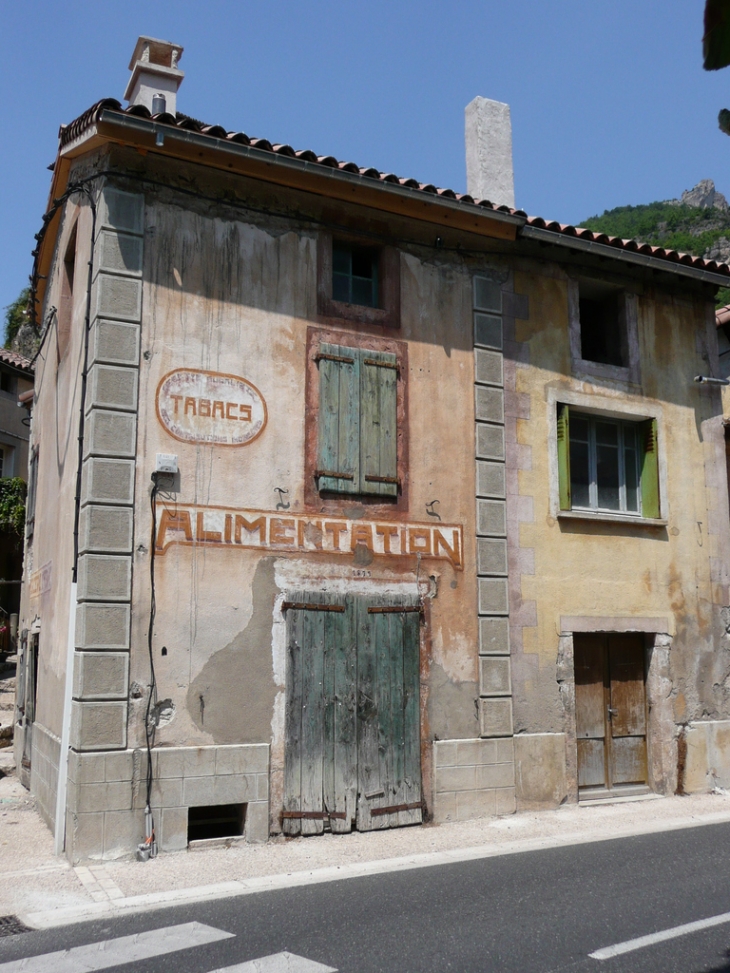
(268, 530)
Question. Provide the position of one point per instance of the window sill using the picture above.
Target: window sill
(603, 516)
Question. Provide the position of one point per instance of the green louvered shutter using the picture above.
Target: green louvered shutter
(338, 465)
(378, 426)
(649, 469)
(564, 457)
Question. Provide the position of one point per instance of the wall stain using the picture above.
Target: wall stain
(232, 697)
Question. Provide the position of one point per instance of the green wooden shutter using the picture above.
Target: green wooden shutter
(564, 457)
(338, 465)
(378, 423)
(649, 469)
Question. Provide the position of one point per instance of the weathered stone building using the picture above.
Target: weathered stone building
(390, 503)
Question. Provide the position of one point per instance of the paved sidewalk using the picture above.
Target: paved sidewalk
(46, 891)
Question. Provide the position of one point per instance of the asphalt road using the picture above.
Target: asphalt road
(535, 911)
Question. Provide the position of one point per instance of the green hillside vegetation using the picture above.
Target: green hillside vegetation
(685, 228)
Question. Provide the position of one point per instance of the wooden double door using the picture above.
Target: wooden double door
(352, 737)
(610, 710)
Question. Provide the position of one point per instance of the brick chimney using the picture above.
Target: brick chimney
(489, 172)
(155, 75)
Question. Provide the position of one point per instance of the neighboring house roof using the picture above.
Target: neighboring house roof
(17, 361)
(722, 315)
(531, 226)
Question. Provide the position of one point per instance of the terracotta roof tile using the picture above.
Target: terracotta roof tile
(72, 131)
(16, 360)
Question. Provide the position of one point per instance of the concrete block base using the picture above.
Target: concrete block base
(473, 779)
(106, 796)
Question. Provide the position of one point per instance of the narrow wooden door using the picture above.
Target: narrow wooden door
(610, 705)
(320, 766)
(352, 754)
(388, 713)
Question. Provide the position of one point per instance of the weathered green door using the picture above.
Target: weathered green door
(352, 754)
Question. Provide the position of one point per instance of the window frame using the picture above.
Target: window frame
(593, 463)
(603, 407)
(328, 501)
(387, 314)
(626, 375)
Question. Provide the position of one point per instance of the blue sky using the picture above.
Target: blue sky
(609, 101)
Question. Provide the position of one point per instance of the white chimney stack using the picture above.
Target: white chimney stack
(489, 172)
(155, 75)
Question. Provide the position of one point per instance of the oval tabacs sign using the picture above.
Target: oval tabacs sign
(209, 407)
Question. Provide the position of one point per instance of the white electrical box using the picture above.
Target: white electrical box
(166, 463)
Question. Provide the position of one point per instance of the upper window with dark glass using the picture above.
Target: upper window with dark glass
(602, 326)
(355, 275)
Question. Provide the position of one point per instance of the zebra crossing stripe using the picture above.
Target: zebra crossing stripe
(278, 963)
(124, 950)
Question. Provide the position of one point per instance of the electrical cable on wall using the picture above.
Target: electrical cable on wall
(148, 848)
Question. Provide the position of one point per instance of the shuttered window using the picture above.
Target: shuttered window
(358, 441)
(607, 464)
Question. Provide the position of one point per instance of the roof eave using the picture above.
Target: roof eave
(302, 174)
(626, 256)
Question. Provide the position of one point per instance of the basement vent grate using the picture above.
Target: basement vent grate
(11, 926)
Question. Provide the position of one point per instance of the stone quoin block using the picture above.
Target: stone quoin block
(99, 726)
(488, 367)
(488, 331)
(114, 342)
(104, 577)
(490, 441)
(491, 555)
(112, 387)
(256, 827)
(119, 253)
(495, 717)
(105, 529)
(493, 597)
(118, 297)
(107, 481)
(120, 210)
(490, 479)
(235, 789)
(491, 518)
(110, 434)
(102, 626)
(101, 675)
(489, 404)
(494, 676)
